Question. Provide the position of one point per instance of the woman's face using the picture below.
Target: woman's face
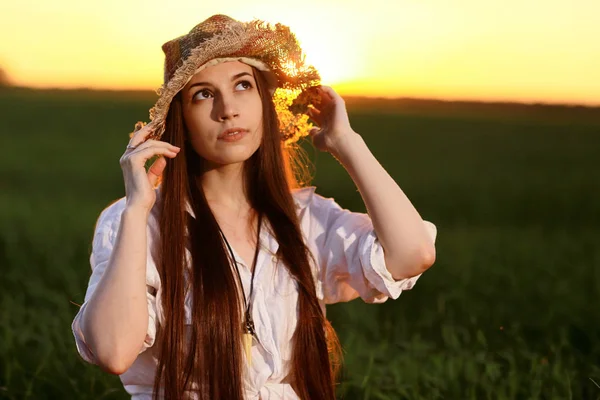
(222, 110)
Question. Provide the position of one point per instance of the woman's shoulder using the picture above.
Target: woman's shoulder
(303, 196)
(307, 196)
(307, 199)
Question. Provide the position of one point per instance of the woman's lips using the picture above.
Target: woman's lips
(233, 135)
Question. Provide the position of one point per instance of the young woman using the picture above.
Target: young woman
(210, 277)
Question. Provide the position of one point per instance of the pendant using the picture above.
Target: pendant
(249, 333)
(247, 343)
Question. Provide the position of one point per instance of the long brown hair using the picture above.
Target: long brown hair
(210, 361)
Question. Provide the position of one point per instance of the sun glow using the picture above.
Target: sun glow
(463, 49)
(331, 48)
(336, 64)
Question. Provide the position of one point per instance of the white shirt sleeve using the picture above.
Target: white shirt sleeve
(349, 256)
(105, 234)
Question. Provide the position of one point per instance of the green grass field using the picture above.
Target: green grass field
(509, 311)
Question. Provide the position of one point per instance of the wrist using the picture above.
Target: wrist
(346, 146)
(135, 212)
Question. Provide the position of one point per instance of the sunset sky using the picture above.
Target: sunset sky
(510, 50)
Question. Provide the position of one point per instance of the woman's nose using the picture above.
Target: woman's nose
(227, 108)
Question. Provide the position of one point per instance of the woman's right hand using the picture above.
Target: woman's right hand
(139, 184)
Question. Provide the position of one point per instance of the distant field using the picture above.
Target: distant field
(509, 311)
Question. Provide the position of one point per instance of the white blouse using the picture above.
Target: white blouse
(350, 263)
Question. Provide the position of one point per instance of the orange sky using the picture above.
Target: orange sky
(521, 50)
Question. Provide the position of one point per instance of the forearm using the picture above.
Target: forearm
(115, 319)
(408, 248)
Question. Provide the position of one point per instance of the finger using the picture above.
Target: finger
(149, 152)
(313, 131)
(332, 94)
(326, 100)
(156, 143)
(156, 170)
(140, 133)
(315, 115)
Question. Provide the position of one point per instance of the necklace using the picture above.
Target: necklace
(248, 329)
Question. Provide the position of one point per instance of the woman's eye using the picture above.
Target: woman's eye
(203, 94)
(245, 85)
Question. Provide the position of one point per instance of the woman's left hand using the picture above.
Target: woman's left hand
(331, 118)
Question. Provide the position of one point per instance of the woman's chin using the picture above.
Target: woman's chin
(232, 157)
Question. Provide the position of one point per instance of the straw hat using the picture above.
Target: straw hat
(272, 49)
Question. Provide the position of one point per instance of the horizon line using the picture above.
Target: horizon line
(354, 96)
